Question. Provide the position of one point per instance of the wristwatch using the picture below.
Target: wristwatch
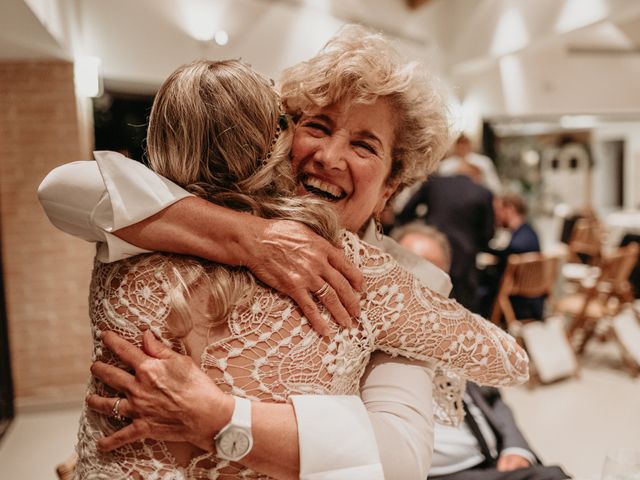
(234, 441)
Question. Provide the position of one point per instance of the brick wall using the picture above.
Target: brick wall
(46, 272)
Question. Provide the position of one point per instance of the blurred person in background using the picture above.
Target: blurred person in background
(462, 209)
(488, 445)
(426, 242)
(512, 214)
(463, 151)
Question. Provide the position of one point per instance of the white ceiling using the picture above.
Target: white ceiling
(513, 57)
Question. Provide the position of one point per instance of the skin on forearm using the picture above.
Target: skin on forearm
(275, 449)
(196, 227)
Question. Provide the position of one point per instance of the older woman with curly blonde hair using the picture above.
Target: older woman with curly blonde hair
(365, 123)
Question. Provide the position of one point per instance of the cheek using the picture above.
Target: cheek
(296, 155)
(301, 148)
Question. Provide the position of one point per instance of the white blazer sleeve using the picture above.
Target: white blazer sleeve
(397, 394)
(389, 432)
(336, 439)
(93, 199)
(386, 435)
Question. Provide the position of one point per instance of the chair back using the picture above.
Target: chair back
(602, 299)
(585, 244)
(526, 275)
(616, 269)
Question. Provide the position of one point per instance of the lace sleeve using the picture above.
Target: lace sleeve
(409, 319)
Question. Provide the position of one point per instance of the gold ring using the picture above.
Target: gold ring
(115, 413)
(322, 291)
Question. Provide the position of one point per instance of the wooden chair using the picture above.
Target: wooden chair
(527, 275)
(532, 275)
(596, 302)
(585, 243)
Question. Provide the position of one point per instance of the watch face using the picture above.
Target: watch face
(234, 443)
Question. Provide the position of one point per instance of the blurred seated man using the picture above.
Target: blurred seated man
(511, 213)
(427, 242)
(488, 445)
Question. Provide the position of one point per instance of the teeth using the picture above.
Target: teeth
(324, 186)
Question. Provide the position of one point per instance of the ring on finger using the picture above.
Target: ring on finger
(322, 291)
(115, 412)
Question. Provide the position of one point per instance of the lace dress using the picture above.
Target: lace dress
(267, 351)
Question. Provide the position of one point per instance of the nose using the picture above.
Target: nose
(333, 153)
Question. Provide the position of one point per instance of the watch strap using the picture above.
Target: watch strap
(241, 413)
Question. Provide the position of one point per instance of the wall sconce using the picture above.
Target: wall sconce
(88, 80)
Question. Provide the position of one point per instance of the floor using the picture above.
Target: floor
(572, 423)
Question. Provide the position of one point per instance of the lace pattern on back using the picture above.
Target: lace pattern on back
(267, 351)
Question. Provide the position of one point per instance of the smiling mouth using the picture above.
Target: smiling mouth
(323, 189)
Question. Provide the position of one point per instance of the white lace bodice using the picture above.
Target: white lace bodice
(267, 351)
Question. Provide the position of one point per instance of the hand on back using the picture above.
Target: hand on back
(291, 258)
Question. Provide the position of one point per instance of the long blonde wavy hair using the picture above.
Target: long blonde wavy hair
(360, 66)
(216, 130)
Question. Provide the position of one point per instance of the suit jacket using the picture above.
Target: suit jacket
(463, 211)
(501, 421)
(499, 416)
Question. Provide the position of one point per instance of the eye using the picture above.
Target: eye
(318, 126)
(366, 146)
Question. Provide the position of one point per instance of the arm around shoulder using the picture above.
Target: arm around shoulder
(94, 199)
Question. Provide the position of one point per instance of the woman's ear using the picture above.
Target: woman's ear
(387, 193)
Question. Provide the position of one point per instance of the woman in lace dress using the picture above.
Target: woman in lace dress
(216, 129)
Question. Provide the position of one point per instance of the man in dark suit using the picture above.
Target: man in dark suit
(463, 210)
(488, 446)
(511, 213)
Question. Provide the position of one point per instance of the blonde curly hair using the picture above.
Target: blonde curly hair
(360, 66)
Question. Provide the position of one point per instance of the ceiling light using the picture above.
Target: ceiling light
(221, 37)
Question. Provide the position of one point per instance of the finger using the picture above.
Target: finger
(346, 268)
(310, 310)
(128, 353)
(130, 433)
(345, 294)
(115, 377)
(332, 303)
(155, 348)
(104, 405)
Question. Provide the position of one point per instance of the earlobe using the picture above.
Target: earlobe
(387, 193)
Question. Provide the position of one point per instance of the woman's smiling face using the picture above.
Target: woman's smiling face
(342, 153)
